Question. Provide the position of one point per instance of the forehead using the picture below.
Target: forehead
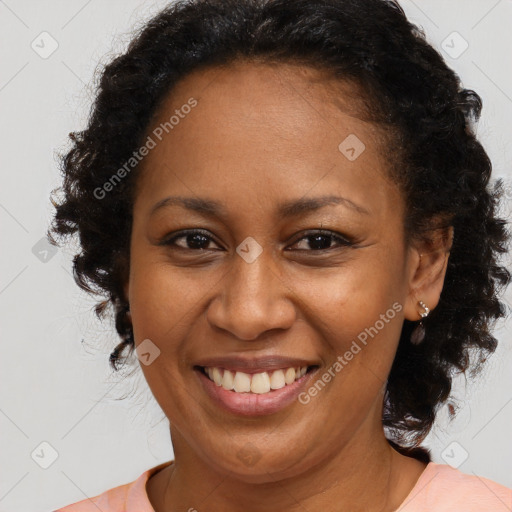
(286, 125)
(247, 87)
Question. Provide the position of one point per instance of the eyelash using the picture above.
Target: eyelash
(341, 240)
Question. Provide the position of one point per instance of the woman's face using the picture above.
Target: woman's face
(300, 262)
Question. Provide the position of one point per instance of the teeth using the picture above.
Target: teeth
(289, 376)
(228, 380)
(277, 380)
(259, 383)
(217, 376)
(242, 383)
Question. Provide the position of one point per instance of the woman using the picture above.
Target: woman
(287, 208)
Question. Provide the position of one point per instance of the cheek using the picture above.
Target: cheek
(158, 316)
(357, 311)
(161, 308)
(162, 299)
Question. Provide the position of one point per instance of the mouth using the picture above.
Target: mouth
(255, 393)
(259, 383)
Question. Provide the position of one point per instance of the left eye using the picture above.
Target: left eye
(321, 241)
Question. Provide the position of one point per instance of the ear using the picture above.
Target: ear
(428, 260)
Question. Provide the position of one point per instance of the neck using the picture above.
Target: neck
(367, 474)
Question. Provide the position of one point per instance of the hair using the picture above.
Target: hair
(439, 164)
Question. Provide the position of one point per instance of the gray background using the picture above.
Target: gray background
(57, 387)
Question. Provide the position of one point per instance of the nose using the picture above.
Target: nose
(253, 298)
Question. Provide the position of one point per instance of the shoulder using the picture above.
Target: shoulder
(443, 488)
(130, 497)
(113, 499)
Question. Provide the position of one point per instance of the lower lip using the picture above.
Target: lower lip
(254, 404)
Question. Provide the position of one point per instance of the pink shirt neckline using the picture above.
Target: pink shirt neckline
(138, 500)
(439, 487)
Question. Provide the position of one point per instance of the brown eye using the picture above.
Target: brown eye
(190, 240)
(322, 241)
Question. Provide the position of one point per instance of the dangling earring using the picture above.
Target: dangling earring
(418, 334)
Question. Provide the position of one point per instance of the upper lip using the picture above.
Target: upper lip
(254, 364)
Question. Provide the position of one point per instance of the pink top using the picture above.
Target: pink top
(440, 488)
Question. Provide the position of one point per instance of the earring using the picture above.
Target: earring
(418, 334)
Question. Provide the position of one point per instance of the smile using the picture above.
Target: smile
(259, 383)
(257, 393)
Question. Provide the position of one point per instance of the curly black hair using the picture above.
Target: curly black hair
(437, 161)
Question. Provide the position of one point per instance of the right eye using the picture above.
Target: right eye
(191, 239)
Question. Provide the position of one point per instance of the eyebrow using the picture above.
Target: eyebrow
(284, 210)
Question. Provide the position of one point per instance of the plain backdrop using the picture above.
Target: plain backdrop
(66, 433)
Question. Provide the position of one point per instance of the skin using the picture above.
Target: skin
(262, 135)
